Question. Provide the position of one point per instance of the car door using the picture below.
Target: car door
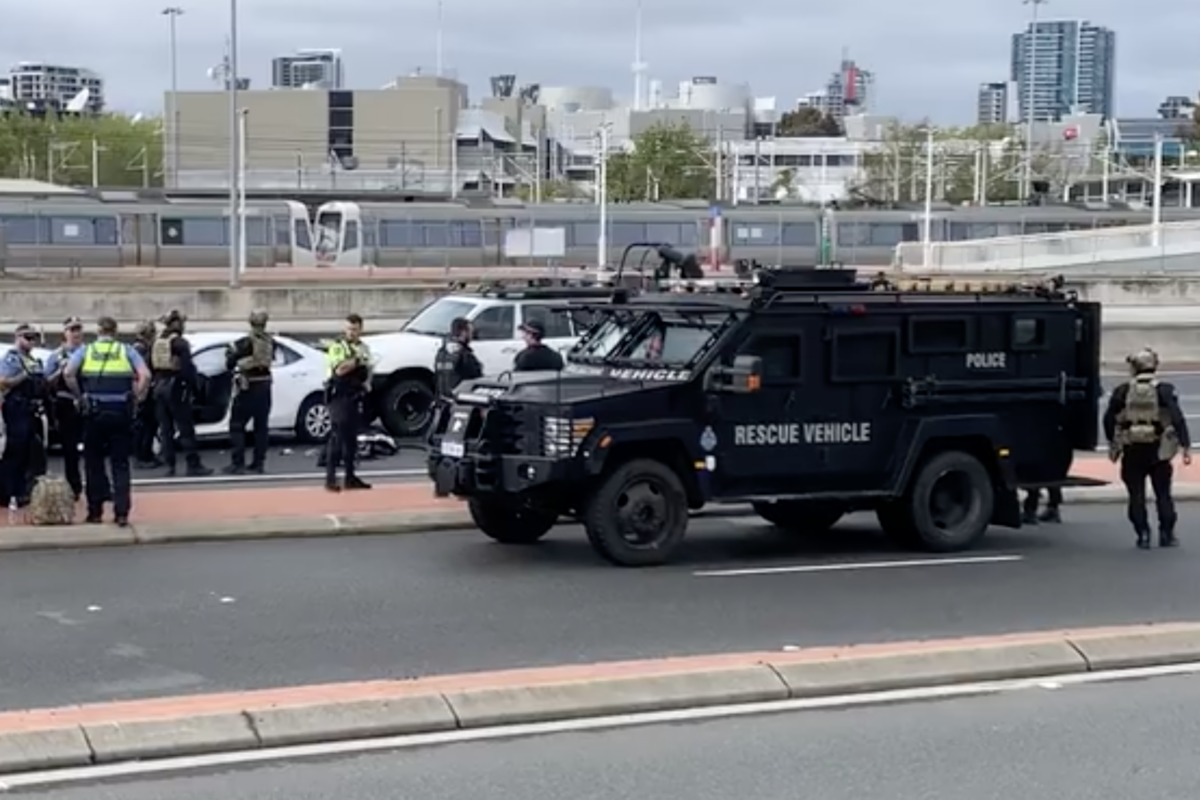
(215, 393)
(560, 333)
(496, 342)
(293, 379)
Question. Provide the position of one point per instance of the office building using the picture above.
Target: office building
(992, 104)
(315, 68)
(848, 92)
(1177, 107)
(1064, 67)
(37, 85)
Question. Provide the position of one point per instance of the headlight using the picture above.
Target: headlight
(561, 437)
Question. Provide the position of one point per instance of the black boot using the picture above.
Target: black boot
(1050, 515)
(1166, 538)
(1143, 540)
(1029, 517)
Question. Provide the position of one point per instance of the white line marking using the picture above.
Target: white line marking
(283, 477)
(216, 761)
(850, 566)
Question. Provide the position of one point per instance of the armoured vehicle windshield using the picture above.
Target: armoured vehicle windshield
(651, 337)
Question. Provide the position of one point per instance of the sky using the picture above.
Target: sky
(928, 58)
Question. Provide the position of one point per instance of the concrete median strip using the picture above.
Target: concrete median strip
(29, 537)
(77, 736)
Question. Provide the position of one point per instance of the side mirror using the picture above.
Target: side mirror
(744, 377)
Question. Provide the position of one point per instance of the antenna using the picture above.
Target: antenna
(639, 66)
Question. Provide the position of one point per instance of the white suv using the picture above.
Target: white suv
(403, 386)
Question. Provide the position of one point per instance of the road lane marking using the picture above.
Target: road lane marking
(178, 765)
(268, 478)
(851, 566)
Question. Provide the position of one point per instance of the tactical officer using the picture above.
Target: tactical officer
(108, 377)
(251, 357)
(349, 376)
(456, 361)
(1145, 428)
(536, 355)
(145, 421)
(23, 379)
(64, 405)
(1050, 513)
(174, 376)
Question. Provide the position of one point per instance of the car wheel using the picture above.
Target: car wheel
(638, 514)
(407, 408)
(314, 421)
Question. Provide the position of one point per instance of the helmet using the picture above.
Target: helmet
(1145, 360)
(146, 329)
(259, 318)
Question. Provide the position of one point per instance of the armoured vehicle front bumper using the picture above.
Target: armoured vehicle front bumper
(475, 475)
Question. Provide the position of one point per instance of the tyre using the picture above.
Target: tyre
(950, 502)
(510, 521)
(799, 516)
(407, 407)
(638, 515)
(313, 420)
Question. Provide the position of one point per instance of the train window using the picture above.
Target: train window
(431, 234)
(755, 234)
(800, 234)
(491, 228)
(283, 231)
(865, 355)
(258, 232)
(396, 233)
(689, 235)
(200, 232)
(72, 231)
(466, 234)
(171, 230)
(494, 324)
(106, 230)
(558, 323)
(303, 235)
(20, 230)
(623, 234)
(663, 232)
(350, 240)
(889, 234)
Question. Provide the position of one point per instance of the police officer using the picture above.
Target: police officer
(64, 404)
(251, 357)
(349, 376)
(455, 361)
(145, 421)
(23, 380)
(108, 377)
(174, 387)
(1145, 428)
(1051, 512)
(536, 355)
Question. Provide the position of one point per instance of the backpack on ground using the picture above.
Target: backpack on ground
(52, 502)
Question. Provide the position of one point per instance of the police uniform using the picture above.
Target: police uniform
(23, 410)
(174, 393)
(107, 372)
(68, 421)
(1146, 428)
(537, 356)
(345, 395)
(455, 362)
(145, 420)
(251, 357)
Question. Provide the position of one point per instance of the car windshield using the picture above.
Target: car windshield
(435, 318)
(656, 339)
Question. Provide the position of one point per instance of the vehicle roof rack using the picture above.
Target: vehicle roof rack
(541, 287)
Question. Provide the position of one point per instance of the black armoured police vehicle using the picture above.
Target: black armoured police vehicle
(805, 392)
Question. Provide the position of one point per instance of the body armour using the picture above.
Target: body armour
(1144, 420)
(161, 357)
(261, 354)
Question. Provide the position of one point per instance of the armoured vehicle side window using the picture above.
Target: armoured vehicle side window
(865, 355)
(1029, 333)
(495, 324)
(781, 358)
(558, 323)
(939, 335)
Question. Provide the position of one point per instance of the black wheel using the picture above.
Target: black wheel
(313, 421)
(638, 515)
(799, 516)
(509, 521)
(407, 407)
(950, 502)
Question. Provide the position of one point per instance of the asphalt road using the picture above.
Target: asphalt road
(1093, 742)
(93, 625)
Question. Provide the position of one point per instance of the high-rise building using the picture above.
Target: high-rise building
(1177, 106)
(992, 104)
(308, 68)
(1064, 67)
(848, 92)
(49, 86)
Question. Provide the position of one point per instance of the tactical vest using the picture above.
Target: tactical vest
(261, 354)
(1144, 421)
(106, 371)
(28, 390)
(161, 357)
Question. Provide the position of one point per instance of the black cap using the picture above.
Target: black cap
(535, 327)
(26, 329)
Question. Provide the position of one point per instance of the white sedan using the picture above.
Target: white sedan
(297, 391)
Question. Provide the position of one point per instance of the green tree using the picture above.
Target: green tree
(665, 162)
(115, 150)
(805, 122)
(784, 185)
(551, 190)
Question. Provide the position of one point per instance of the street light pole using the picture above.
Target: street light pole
(602, 197)
(1031, 87)
(173, 13)
(231, 64)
